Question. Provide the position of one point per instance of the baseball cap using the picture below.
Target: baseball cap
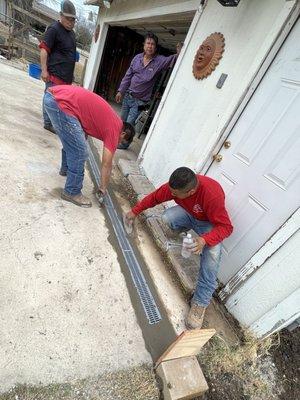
(67, 9)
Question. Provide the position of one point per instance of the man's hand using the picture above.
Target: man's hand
(130, 216)
(197, 246)
(128, 220)
(179, 46)
(45, 75)
(100, 194)
(119, 97)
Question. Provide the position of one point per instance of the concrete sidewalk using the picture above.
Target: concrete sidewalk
(65, 309)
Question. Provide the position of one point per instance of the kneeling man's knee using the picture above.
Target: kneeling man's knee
(166, 217)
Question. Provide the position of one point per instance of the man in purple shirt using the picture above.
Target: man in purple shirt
(136, 87)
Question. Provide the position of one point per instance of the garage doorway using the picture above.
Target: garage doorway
(124, 40)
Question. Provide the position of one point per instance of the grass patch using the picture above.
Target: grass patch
(132, 384)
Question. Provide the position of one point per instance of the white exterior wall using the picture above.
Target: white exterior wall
(193, 113)
(270, 299)
(129, 11)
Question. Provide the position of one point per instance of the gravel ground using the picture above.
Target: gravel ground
(131, 384)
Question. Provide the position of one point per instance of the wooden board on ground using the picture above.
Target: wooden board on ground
(189, 343)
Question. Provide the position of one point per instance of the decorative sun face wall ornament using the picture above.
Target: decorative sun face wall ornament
(208, 55)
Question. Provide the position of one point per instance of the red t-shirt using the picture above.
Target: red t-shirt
(95, 115)
(207, 204)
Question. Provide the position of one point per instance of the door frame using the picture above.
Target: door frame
(277, 240)
(292, 224)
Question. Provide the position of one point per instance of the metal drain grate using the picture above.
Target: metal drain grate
(147, 300)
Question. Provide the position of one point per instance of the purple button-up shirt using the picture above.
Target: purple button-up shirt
(139, 79)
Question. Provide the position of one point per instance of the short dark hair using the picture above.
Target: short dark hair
(183, 178)
(151, 35)
(129, 131)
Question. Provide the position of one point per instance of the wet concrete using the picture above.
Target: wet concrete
(157, 336)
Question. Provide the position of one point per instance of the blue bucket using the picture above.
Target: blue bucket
(34, 70)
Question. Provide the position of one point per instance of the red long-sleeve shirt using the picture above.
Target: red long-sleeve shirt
(206, 204)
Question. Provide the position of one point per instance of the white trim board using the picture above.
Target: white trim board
(288, 229)
(278, 317)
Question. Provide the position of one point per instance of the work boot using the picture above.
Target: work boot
(195, 317)
(78, 199)
(50, 128)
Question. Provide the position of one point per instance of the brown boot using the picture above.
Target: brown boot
(195, 317)
(78, 199)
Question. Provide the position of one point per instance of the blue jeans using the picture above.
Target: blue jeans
(47, 121)
(130, 111)
(74, 151)
(178, 219)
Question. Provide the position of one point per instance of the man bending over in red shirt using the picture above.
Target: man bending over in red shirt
(74, 113)
(201, 207)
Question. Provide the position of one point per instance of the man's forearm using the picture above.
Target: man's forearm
(105, 176)
(44, 58)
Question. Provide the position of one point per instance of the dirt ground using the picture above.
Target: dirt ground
(287, 360)
(270, 371)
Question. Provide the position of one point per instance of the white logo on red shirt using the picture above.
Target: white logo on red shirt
(197, 209)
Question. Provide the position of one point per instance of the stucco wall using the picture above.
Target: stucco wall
(273, 289)
(193, 113)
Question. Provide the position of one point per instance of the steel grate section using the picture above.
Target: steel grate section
(145, 295)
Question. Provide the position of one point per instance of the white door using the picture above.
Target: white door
(259, 172)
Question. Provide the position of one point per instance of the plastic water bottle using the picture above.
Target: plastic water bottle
(187, 241)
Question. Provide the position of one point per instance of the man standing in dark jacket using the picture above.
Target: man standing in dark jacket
(58, 53)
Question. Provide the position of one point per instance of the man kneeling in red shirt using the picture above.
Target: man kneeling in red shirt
(201, 207)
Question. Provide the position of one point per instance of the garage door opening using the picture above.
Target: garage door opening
(125, 40)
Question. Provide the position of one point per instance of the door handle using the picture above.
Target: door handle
(227, 144)
(217, 157)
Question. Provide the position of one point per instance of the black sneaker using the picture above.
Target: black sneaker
(50, 128)
(62, 172)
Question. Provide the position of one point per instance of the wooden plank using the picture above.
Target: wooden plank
(189, 343)
(182, 379)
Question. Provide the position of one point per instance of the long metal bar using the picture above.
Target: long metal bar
(149, 305)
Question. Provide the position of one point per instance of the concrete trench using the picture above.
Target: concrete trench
(160, 334)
